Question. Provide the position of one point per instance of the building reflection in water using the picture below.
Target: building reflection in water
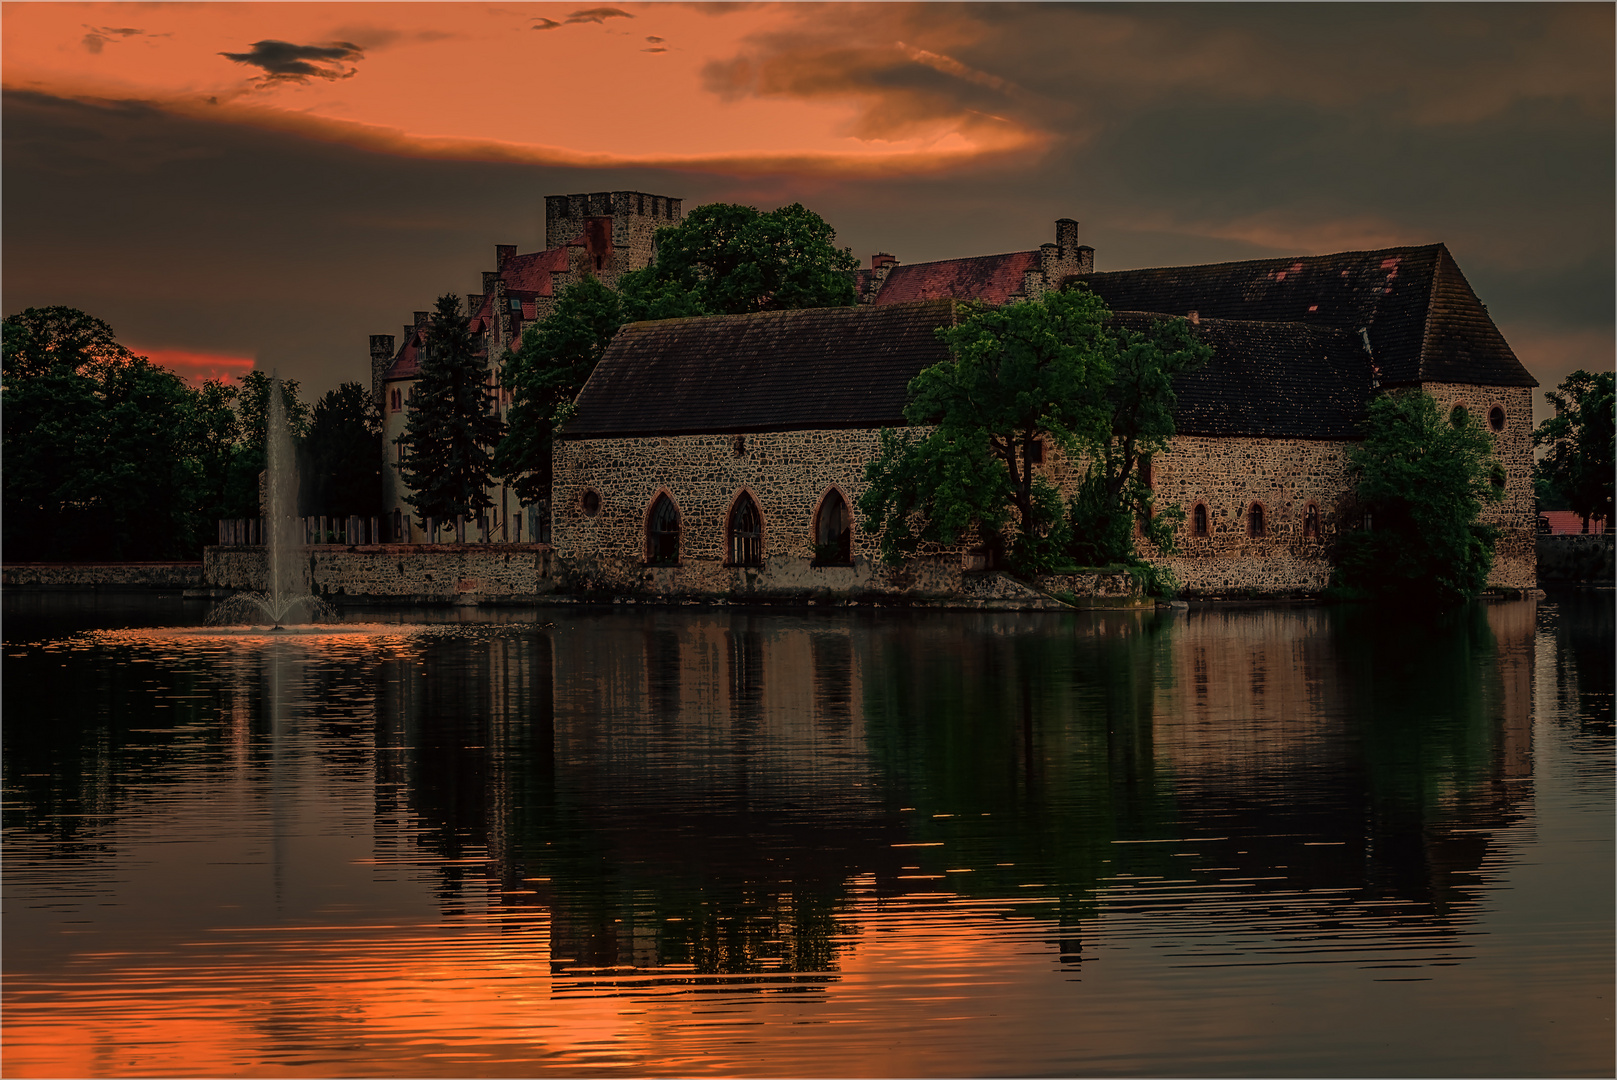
(660, 801)
(691, 795)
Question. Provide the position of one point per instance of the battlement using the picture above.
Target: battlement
(636, 216)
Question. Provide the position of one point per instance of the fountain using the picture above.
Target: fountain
(286, 596)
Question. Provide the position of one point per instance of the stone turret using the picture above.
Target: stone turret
(635, 218)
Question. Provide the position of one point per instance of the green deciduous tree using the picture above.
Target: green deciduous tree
(342, 455)
(1141, 402)
(544, 374)
(725, 259)
(1422, 479)
(453, 427)
(1581, 451)
(1053, 371)
(99, 445)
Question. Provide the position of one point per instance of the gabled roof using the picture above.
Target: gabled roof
(775, 371)
(989, 279)
(1278, 380)
(1423, 321)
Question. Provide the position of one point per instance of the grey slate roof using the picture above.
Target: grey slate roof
(1281, 380)
(774, 371)
(1424, 321)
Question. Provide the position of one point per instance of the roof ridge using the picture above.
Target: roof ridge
(783, 312)
(1277, 259)
(960, 258)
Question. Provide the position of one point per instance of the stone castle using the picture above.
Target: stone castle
(604, 235)
(724, 456)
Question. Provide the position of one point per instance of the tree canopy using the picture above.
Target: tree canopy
(99, 445)
(1422, 479)
(1048, 373)
(727, 259)
(342, 455)
(1581, 450)
(1115, 494)
(453, 427)
(544, 374)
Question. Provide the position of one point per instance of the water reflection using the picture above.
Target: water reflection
(947, 816)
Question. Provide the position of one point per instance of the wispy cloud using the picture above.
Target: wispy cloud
(282, 61)
(598, 15)
(99, 36)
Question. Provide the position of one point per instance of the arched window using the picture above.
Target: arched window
(832, 533)
(1311, 522)
(1254, 520)
(746, 533)
(662, 532)
(1198, 520)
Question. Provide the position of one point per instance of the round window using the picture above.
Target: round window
(1459, 415)
(591, 503)
(1496, 418)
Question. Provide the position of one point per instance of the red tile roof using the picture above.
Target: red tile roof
(990, 279)
(1565, 521)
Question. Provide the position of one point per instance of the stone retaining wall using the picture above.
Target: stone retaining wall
(400, 573)
(102, 576)
(1576, 558)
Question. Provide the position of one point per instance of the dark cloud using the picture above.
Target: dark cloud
(655, 40)
(598, 15)
(545, 24)
(655, 49)
(98, 36)
(282, 61)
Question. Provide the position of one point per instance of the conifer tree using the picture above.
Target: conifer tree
(453, 426)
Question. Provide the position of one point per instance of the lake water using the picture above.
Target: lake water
(1294, 841)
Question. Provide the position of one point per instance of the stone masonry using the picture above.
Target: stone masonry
(788, 474)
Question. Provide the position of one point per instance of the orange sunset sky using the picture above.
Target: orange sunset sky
(229, 184)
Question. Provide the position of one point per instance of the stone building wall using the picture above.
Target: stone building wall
(102, 576)
(399, 573)
(1515, 560)
(788, 474)
(1228, 475)
(1576, 558)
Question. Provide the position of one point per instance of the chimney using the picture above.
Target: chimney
(503, 252)
(1066, 237)
(1195, 318)
(881, 259)
(1086, 259)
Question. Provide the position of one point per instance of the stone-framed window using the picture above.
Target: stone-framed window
(1496, 418)
(1198, 520)
(1459, 414)
(833, 531)
(590, 502)
(1254, 521)
(1311, 522)
(398, 525)
(662, 532)
(745, 533)
(1035, 452)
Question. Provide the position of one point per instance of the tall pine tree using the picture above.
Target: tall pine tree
(453, 424)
